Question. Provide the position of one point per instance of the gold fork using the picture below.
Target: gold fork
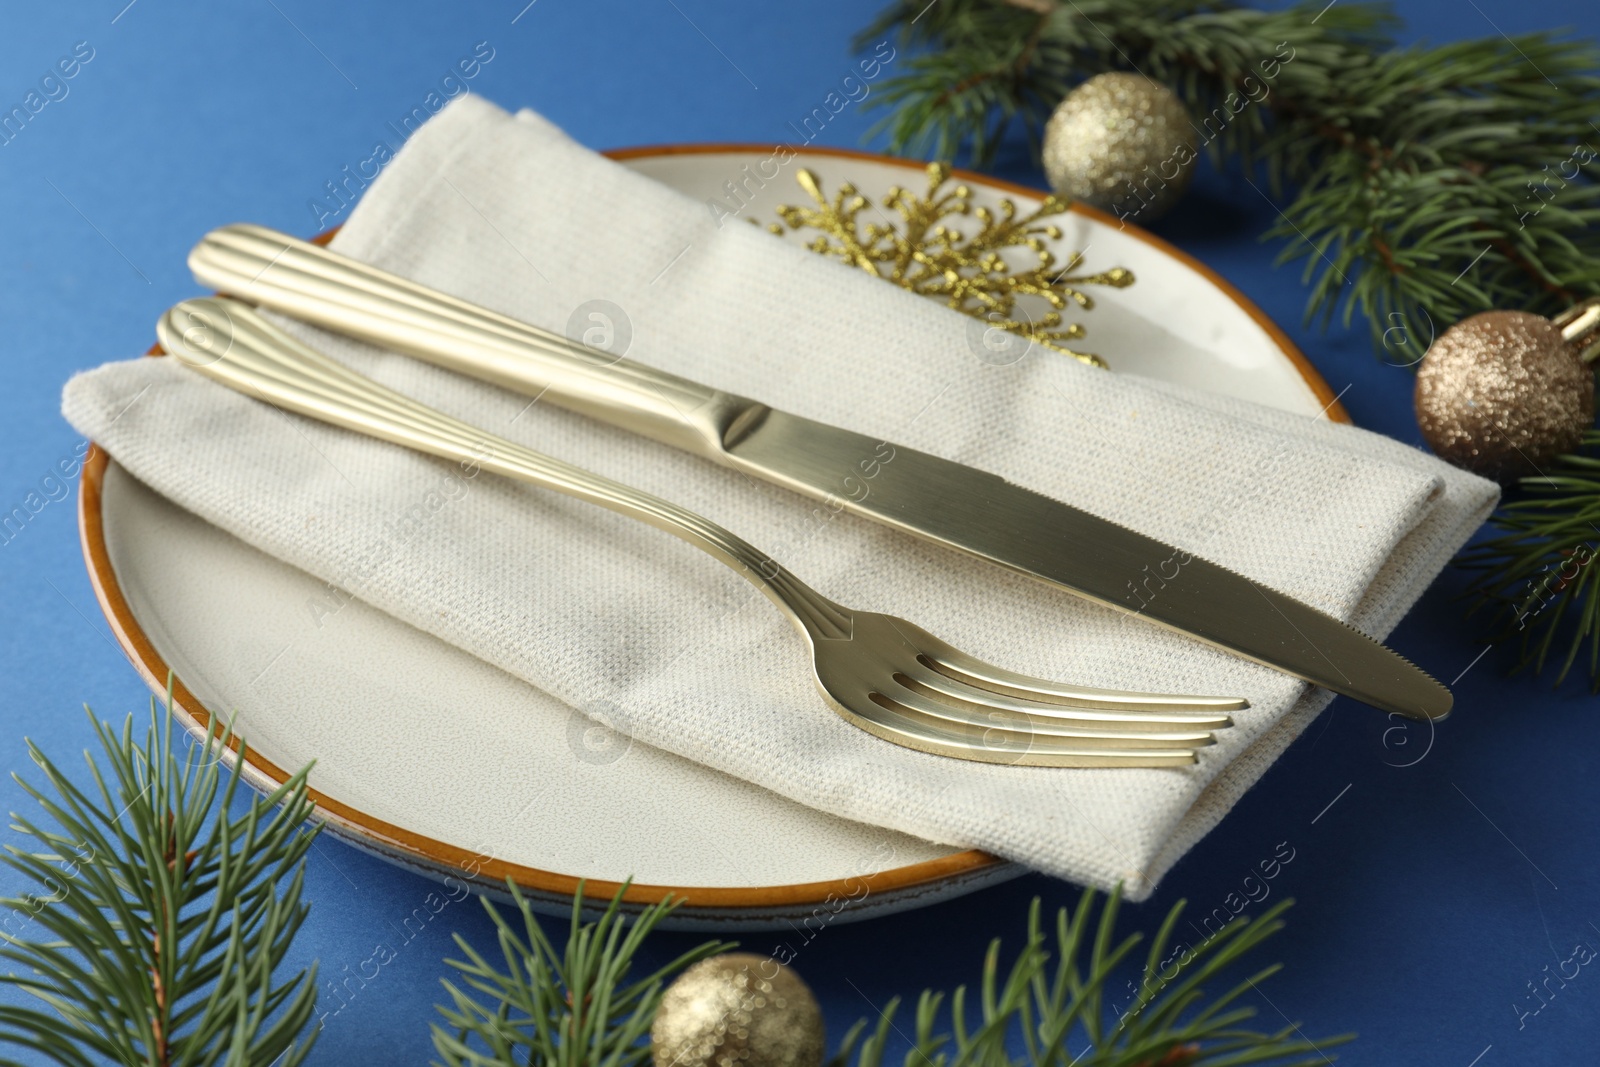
(885, 675)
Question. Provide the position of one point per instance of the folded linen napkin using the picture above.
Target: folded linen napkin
(614, 617)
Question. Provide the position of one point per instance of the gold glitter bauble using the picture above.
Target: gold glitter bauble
(1122, 143)
(1502, 393)
(737, 1010)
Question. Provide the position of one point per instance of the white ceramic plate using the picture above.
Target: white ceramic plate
(523, 787)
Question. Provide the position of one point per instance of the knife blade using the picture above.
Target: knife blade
(942, 501)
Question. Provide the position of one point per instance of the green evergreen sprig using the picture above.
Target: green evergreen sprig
(164, 918)
(1423, 184)
(1048, 1002)
(574, 1008)
(1538, 576)
(167, 919)
(536, 1007)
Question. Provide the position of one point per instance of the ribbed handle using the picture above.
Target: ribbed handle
(228, 341)
(277, 271)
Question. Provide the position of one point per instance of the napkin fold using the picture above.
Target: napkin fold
(664, 643)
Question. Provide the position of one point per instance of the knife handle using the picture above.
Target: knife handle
(311, 283)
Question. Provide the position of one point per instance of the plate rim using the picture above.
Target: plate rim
(489, 873)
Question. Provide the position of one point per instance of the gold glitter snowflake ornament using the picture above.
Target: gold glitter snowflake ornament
(972, 274)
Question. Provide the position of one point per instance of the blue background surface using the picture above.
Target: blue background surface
(1429, 894)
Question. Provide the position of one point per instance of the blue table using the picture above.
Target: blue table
(1430, 895)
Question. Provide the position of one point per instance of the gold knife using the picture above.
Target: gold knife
(933, 498)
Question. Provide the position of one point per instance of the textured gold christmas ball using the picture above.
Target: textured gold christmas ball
(1122, 143)
(1501, 393)
(737, 1010)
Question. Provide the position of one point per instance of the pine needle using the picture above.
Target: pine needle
(535, 1007)
(1056, 995)
(165, 920)
(158, 920)
(1537, 577)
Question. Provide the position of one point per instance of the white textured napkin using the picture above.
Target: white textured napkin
(622, 620)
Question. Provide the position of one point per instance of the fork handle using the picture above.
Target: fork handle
(312, 284)
(230, 342)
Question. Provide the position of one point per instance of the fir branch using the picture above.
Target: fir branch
(1428, 183)
(169, 921)
(577, 1008)
(1047, 1000)
(1538, 577)
(164, 921)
